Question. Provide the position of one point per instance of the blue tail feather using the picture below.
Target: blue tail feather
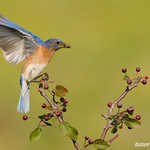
(20, 105)
(24, 100)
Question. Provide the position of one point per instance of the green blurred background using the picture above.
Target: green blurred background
(105, 36)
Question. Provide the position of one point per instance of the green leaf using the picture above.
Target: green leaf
(111, 117)
(128, 124)
(61, 91)
(131, 122)
(134, 121)
(69, 131)
(126, 77)
(114, 129)
(101, 144)
(36, 134)
(121, 126)
(45, 123)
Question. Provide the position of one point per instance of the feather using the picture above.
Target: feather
(16, 42)
(24, 101)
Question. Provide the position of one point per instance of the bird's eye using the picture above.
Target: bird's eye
(57, 42)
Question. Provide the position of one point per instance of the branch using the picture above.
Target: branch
(60, 118)
(111, 140)
(127, 90)
(113, 120)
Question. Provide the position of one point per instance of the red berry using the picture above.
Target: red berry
(130, 110)
(138, 117)
(146, 77)
(46, 118)
(119, 105)
(57, 113)
(138, 69)
(124, 70)
(144, 82)
(86, 137)
(65, 101)
(129, 81)
(91, 141)
(43, 105)
(109, 104)
(25, 117)
(62, 99)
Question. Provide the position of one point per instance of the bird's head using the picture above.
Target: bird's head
(56, 44)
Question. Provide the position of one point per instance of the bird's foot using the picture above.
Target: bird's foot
(43, 75)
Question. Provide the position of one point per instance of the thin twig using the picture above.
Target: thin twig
(111, 140)
(42, 92)
(108, 123)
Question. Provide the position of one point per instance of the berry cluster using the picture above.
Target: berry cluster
(60, 103)
(130, 81)
(89, 140)
(57, 105)
(123, 117)
(116, 120)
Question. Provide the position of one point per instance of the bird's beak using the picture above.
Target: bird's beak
(67, 46)
(63, 45)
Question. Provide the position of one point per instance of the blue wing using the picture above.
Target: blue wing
(16, 42)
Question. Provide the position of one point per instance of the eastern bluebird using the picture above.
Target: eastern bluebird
(19, 44)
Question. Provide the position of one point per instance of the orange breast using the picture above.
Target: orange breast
(41, 55)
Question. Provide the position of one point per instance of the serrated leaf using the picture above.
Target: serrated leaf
(61, 91)
(101, 144)
(36, 134)
(69, 131)
(114, 129)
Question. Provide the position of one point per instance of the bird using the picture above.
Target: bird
(18, 44)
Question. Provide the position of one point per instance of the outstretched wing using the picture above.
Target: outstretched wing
(16, 42)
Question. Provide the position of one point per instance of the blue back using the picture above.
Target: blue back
(5, 22)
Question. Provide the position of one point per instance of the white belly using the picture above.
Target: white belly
(33, 71)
